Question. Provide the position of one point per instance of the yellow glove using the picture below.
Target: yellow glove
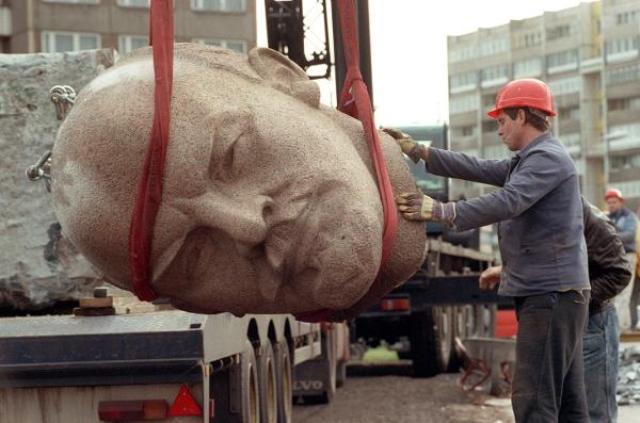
(406, 143)
(415, 206)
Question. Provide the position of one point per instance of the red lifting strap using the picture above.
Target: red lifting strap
(355, 101)
(149, 194)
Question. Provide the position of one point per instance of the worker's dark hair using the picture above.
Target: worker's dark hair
(537, 121)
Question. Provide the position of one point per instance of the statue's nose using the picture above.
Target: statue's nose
(243, 217)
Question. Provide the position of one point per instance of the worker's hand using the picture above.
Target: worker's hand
(406, 143)
(490, 277)
(415, 206)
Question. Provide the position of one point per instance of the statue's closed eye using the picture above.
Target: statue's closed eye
(232, 141)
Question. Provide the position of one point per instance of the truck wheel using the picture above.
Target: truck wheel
(249, 385)
(284, 382)
(267, 383)
(341, 374)
(459, 326)
(329, 351)
(429, 330)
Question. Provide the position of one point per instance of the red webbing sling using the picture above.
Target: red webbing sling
(355, 101)
(149, 194)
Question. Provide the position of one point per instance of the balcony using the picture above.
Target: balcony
(591, 65)
(5, 22)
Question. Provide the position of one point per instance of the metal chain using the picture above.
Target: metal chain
(63, 98)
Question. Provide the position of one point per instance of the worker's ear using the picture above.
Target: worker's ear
(284, 75)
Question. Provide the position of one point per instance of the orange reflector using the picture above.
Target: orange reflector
(127, 411)
(395, 304)
(185, 404)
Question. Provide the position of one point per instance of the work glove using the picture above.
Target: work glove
(417, 206)
(490, 277)
(406, 143)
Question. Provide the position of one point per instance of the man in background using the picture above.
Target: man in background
(626, 225)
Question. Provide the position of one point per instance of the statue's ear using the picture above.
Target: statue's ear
(284, 75)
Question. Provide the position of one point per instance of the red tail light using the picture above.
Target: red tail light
(395, 304)
(185, 404)
(127, 411)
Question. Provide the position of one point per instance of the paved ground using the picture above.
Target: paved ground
(396, 397)
(388, 394)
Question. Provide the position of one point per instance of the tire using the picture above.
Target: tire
(430, 338)
(284, 381)
(329, 351)
(249, 384)
(329, 366)
(459, 330)
(341, 374)
(268, 385)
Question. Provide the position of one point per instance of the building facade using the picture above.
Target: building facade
(588, 55)
(28, 26)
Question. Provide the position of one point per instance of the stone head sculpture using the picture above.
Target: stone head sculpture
(269, 203)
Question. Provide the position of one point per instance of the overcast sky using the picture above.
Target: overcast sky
(409, 49)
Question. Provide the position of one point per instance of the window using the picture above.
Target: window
(468, 131)
(59, 42)
(625, 162)
(489, 126)
(564, 60)
(73, 1)
(524, 68)
(494, 46)
(621, 46)
(629, 16)
(495, 72)
(625, 136)
(464, 79)
(570, 140)
(532, 39)
(622, 104)
(623, 74)
(219, 5)
(495, 152)
(237, 45)
(134, 3)
(127, 43)
(462, 104)
(628, 188)
(488, 100)
(464, 53)
(569, 113)
(557, 32)
(565, 85)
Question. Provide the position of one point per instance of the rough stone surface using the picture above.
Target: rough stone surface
(37, 265)
(629, 376)
(269, 200)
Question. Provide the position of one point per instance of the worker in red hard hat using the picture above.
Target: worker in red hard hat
(540, 230)
(626, 225)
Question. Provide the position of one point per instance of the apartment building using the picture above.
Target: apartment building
(28, 26)
(588, 55)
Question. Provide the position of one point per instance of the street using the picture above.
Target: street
(387, 393)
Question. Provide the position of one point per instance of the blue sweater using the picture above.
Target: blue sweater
(538, 211)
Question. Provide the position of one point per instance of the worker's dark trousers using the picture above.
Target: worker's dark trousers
(548, 382)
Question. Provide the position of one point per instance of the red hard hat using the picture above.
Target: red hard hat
(524, 93)
(613, 193)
